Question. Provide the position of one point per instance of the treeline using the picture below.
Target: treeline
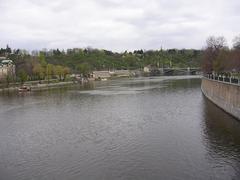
(94, 59)
(45, 63)
(218, 58)
(29, 67)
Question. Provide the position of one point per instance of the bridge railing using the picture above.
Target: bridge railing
(226, 79)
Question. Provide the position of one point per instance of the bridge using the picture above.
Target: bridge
(180, 71)
(176, 71)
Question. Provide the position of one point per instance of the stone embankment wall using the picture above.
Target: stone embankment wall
(224, 95)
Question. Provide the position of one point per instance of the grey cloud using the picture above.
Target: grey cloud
(116, 24)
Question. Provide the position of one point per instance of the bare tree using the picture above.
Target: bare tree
(236, 42)
(211, 60)
(216, 43)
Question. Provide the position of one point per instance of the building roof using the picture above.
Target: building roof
(7, 61)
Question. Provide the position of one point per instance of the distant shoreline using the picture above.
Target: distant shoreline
(55, 85)
(39, 87)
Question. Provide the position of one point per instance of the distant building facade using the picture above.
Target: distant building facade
(147, 69)
(101, 75)
(7, 68)
(121, 73)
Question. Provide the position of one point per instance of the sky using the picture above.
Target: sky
(116, 25)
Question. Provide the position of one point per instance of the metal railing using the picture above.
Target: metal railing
(226, 79)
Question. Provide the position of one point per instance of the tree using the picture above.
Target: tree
(234, 63)
(86, 60)
(8, 50)
(236, 42)
(59, 71)
(65, 71)
(49, 71)
(22, 75)
(84, 69)
(38, 71)
(42, 59)
(221, 61)
(8, 79)
(215, 45)
(56, 52)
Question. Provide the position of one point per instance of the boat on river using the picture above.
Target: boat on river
(24, 89)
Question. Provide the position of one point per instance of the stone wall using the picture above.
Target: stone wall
(224, 95)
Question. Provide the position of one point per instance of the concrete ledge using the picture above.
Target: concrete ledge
(224, 95)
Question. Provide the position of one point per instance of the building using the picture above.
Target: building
(146, 69)
(150, 68)
(121, 73)
(7, 68)
(98, 75)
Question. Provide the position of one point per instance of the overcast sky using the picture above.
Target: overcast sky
(116, 24)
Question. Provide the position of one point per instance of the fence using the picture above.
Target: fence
(221, 78)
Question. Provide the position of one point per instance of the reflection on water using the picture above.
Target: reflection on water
(222, 138)
(143, 128)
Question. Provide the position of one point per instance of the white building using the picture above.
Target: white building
(6, 68)
(147, 69)
(101, 75)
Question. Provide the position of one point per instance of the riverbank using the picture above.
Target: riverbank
(38, 87)
(225, 95)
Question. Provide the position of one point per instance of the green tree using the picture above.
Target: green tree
(8, 79)
(84, 69)
(59, 72)
(22, 76)
(42, 59)
(38, 71)
(49, 71)
(65, 72)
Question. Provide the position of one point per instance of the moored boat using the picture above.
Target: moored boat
(24, 89)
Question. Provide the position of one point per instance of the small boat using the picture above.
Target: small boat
(24, 89)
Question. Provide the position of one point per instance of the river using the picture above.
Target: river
(125, 129)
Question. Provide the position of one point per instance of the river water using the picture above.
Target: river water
(129, 129)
